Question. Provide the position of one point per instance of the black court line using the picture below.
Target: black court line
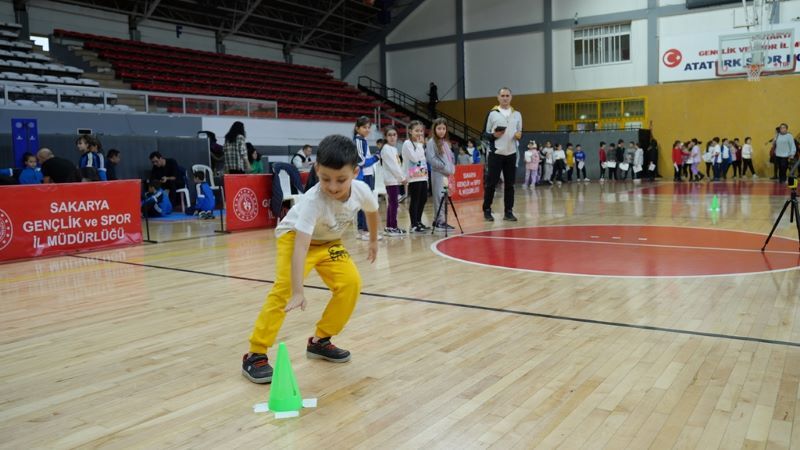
(477, 307)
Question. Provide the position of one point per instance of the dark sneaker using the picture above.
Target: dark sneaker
(509, 216)
(487, 215)
(323, 349)
(417, 229)
(256, 368)
(443, 227)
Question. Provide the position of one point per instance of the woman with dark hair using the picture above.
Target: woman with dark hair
(235, 150)
(254, 158)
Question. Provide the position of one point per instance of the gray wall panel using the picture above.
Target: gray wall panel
(106, 123)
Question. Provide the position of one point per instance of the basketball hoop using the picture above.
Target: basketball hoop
(754, 72)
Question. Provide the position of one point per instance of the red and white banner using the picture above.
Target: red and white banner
(54, 219)
(696, 56)
(247, 200)
(467, 182)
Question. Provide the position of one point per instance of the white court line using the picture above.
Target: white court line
(435, 249)
(632, 244)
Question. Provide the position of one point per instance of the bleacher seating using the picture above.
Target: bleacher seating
(20, 63)
(302, 92)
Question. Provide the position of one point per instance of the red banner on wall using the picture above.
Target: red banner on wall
(53, 219)
(467, 182)
(247, 200)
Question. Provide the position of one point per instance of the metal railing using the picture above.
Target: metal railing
(415, 108)
(73, 97)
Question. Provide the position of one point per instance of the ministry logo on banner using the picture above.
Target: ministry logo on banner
(6, 230)
(245, 205)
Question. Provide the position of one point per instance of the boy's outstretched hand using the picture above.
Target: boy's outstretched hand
(298, 300)
(373, 251)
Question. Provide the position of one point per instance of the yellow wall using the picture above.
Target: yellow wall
(702, 109)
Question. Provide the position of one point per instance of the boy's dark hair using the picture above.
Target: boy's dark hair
(89, 173)
(155, 184)
(200, 175)
(602, 142)
(307, 146)
(154, 155)
(578, 146)
(336, 151)
(85, 138)
(25, 157)
(113, 152)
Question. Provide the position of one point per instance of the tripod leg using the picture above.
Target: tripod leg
(455, 213)
(797, 221)
(777, 221)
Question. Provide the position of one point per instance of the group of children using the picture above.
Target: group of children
(553, 164)
(408, 168)
(719, 156)
(156, 202)
(92, 163)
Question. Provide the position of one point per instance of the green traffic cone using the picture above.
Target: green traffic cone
(715, 204)
(284, 395)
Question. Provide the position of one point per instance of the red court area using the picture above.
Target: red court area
(624, 250)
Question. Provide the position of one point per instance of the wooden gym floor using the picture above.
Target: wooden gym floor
(141, 347)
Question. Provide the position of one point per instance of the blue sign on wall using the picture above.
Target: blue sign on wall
(25, 134)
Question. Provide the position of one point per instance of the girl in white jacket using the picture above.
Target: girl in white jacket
(393, 177)
(416, 169)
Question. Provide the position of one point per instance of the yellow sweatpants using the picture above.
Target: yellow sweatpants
(338, 272)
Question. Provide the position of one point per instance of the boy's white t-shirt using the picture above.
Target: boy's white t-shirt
(324, 218)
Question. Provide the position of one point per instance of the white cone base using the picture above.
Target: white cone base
(264, 407)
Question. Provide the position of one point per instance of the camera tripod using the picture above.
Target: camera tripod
(794, 214)
(443, 201)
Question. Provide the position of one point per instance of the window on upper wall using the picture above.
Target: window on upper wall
(603, 44)
(41, 41)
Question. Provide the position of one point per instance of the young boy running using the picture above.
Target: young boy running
(310, 237)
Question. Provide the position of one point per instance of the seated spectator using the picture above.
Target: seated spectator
(167, 172)
(89, 174)
(6, 179)
(89, 147)
(113, 161)
(256, 166)
(204, 205)
(56, 169)
(30, 173)
(156, 203)
(302, 159)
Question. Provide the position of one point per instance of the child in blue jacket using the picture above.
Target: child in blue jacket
(156, 202)
(204, 205)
